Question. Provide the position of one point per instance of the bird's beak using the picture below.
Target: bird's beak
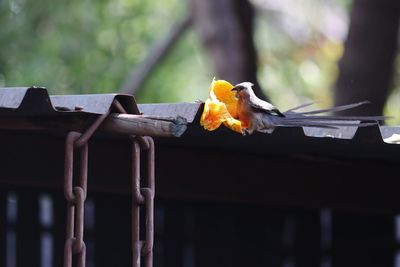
(235, 89)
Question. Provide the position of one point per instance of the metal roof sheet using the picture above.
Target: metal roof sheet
(32, 101)
(35, 101)
(376, 133)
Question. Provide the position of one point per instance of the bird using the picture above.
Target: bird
(257, 115)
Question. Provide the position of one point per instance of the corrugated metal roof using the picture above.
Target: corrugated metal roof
(376, 133)
(32, 101)
(35, 101)
(32, 108)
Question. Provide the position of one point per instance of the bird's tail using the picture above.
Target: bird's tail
(312, 119)
(319, 111)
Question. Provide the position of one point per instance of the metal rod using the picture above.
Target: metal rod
(137, 198)
(90, 131)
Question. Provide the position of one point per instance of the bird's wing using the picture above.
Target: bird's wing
(264, 106)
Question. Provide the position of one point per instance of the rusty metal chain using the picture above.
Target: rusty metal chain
(143, 196)
(75, 195)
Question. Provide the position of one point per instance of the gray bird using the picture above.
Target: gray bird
(261, 116)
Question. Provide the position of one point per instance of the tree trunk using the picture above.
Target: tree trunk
(366, 68)
(226, 29)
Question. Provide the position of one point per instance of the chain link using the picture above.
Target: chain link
(143, 196)
(75, 195)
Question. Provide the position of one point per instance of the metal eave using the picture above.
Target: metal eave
(34, 101)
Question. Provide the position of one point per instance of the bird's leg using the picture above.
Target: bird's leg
(248, 131)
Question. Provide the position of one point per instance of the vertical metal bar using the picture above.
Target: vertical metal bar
(75, 197)
(79, 195)
(148, 245)
(136, 244)
(69, 197)
(150, 164)
(83, 171)
(68, 165)
(137, 197)
(68, 252)
(148, 193)
(70, 221)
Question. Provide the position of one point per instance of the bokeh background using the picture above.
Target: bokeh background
(98, 46)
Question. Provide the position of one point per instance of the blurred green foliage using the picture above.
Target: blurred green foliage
(90, 46)
(185, 75)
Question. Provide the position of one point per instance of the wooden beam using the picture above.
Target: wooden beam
(129, 124)
(126, 124)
